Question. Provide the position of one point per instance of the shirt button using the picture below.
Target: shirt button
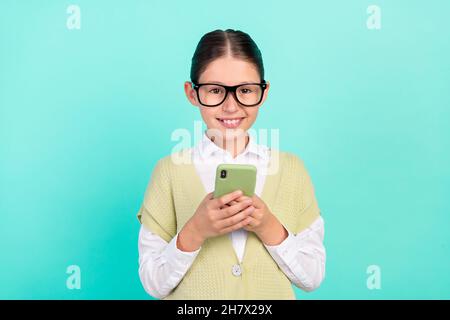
(236, 270)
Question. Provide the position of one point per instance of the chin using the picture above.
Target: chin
(226, 133)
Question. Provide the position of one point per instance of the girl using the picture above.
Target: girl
(194, 246)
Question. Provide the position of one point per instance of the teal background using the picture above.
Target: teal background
(85, 114)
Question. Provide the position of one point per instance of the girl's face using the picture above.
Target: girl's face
(228, 71)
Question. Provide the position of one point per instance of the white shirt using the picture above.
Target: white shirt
(301, 257)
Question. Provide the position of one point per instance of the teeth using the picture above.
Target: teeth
(234, 121)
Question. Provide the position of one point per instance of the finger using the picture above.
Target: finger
(210, 196)
(251, 221)
(232, 210)
(236, 226)
(257, 201)
(240, 199)
(230, 221)
(226, 205)
(221, 201)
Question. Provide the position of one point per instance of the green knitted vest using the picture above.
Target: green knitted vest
(174, 193)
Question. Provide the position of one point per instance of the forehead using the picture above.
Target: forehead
(230, 71)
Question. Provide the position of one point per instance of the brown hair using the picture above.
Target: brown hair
(216, 44)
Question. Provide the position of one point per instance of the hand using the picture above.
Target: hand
(264, 224)
(261, 218)
(213, 217)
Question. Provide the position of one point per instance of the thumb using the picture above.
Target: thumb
(256, 200)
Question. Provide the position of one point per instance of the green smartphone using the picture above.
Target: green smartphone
(232, 177)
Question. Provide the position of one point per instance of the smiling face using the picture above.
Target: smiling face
(230, 118)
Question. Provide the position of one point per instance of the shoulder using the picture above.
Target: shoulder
(290, 156)
(289, 162)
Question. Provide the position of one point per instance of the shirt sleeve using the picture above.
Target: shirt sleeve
(161, 264)
(302, 256)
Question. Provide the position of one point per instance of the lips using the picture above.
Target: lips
(230, 123)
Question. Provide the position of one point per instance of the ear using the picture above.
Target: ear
(190, 93)
(266, 92)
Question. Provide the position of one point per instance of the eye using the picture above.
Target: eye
(246, 90)
(215, 91)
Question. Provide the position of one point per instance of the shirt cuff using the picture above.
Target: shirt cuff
(178, 257)
(284, 251)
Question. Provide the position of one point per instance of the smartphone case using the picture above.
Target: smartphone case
(238, 177)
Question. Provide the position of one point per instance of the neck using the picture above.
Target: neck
(234, 146)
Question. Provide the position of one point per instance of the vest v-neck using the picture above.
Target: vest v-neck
(198, 192)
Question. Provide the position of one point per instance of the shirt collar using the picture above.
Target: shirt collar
(207, 148)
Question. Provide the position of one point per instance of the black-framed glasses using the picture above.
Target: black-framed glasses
(213, 94)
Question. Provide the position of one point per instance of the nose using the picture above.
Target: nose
(230, 104)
